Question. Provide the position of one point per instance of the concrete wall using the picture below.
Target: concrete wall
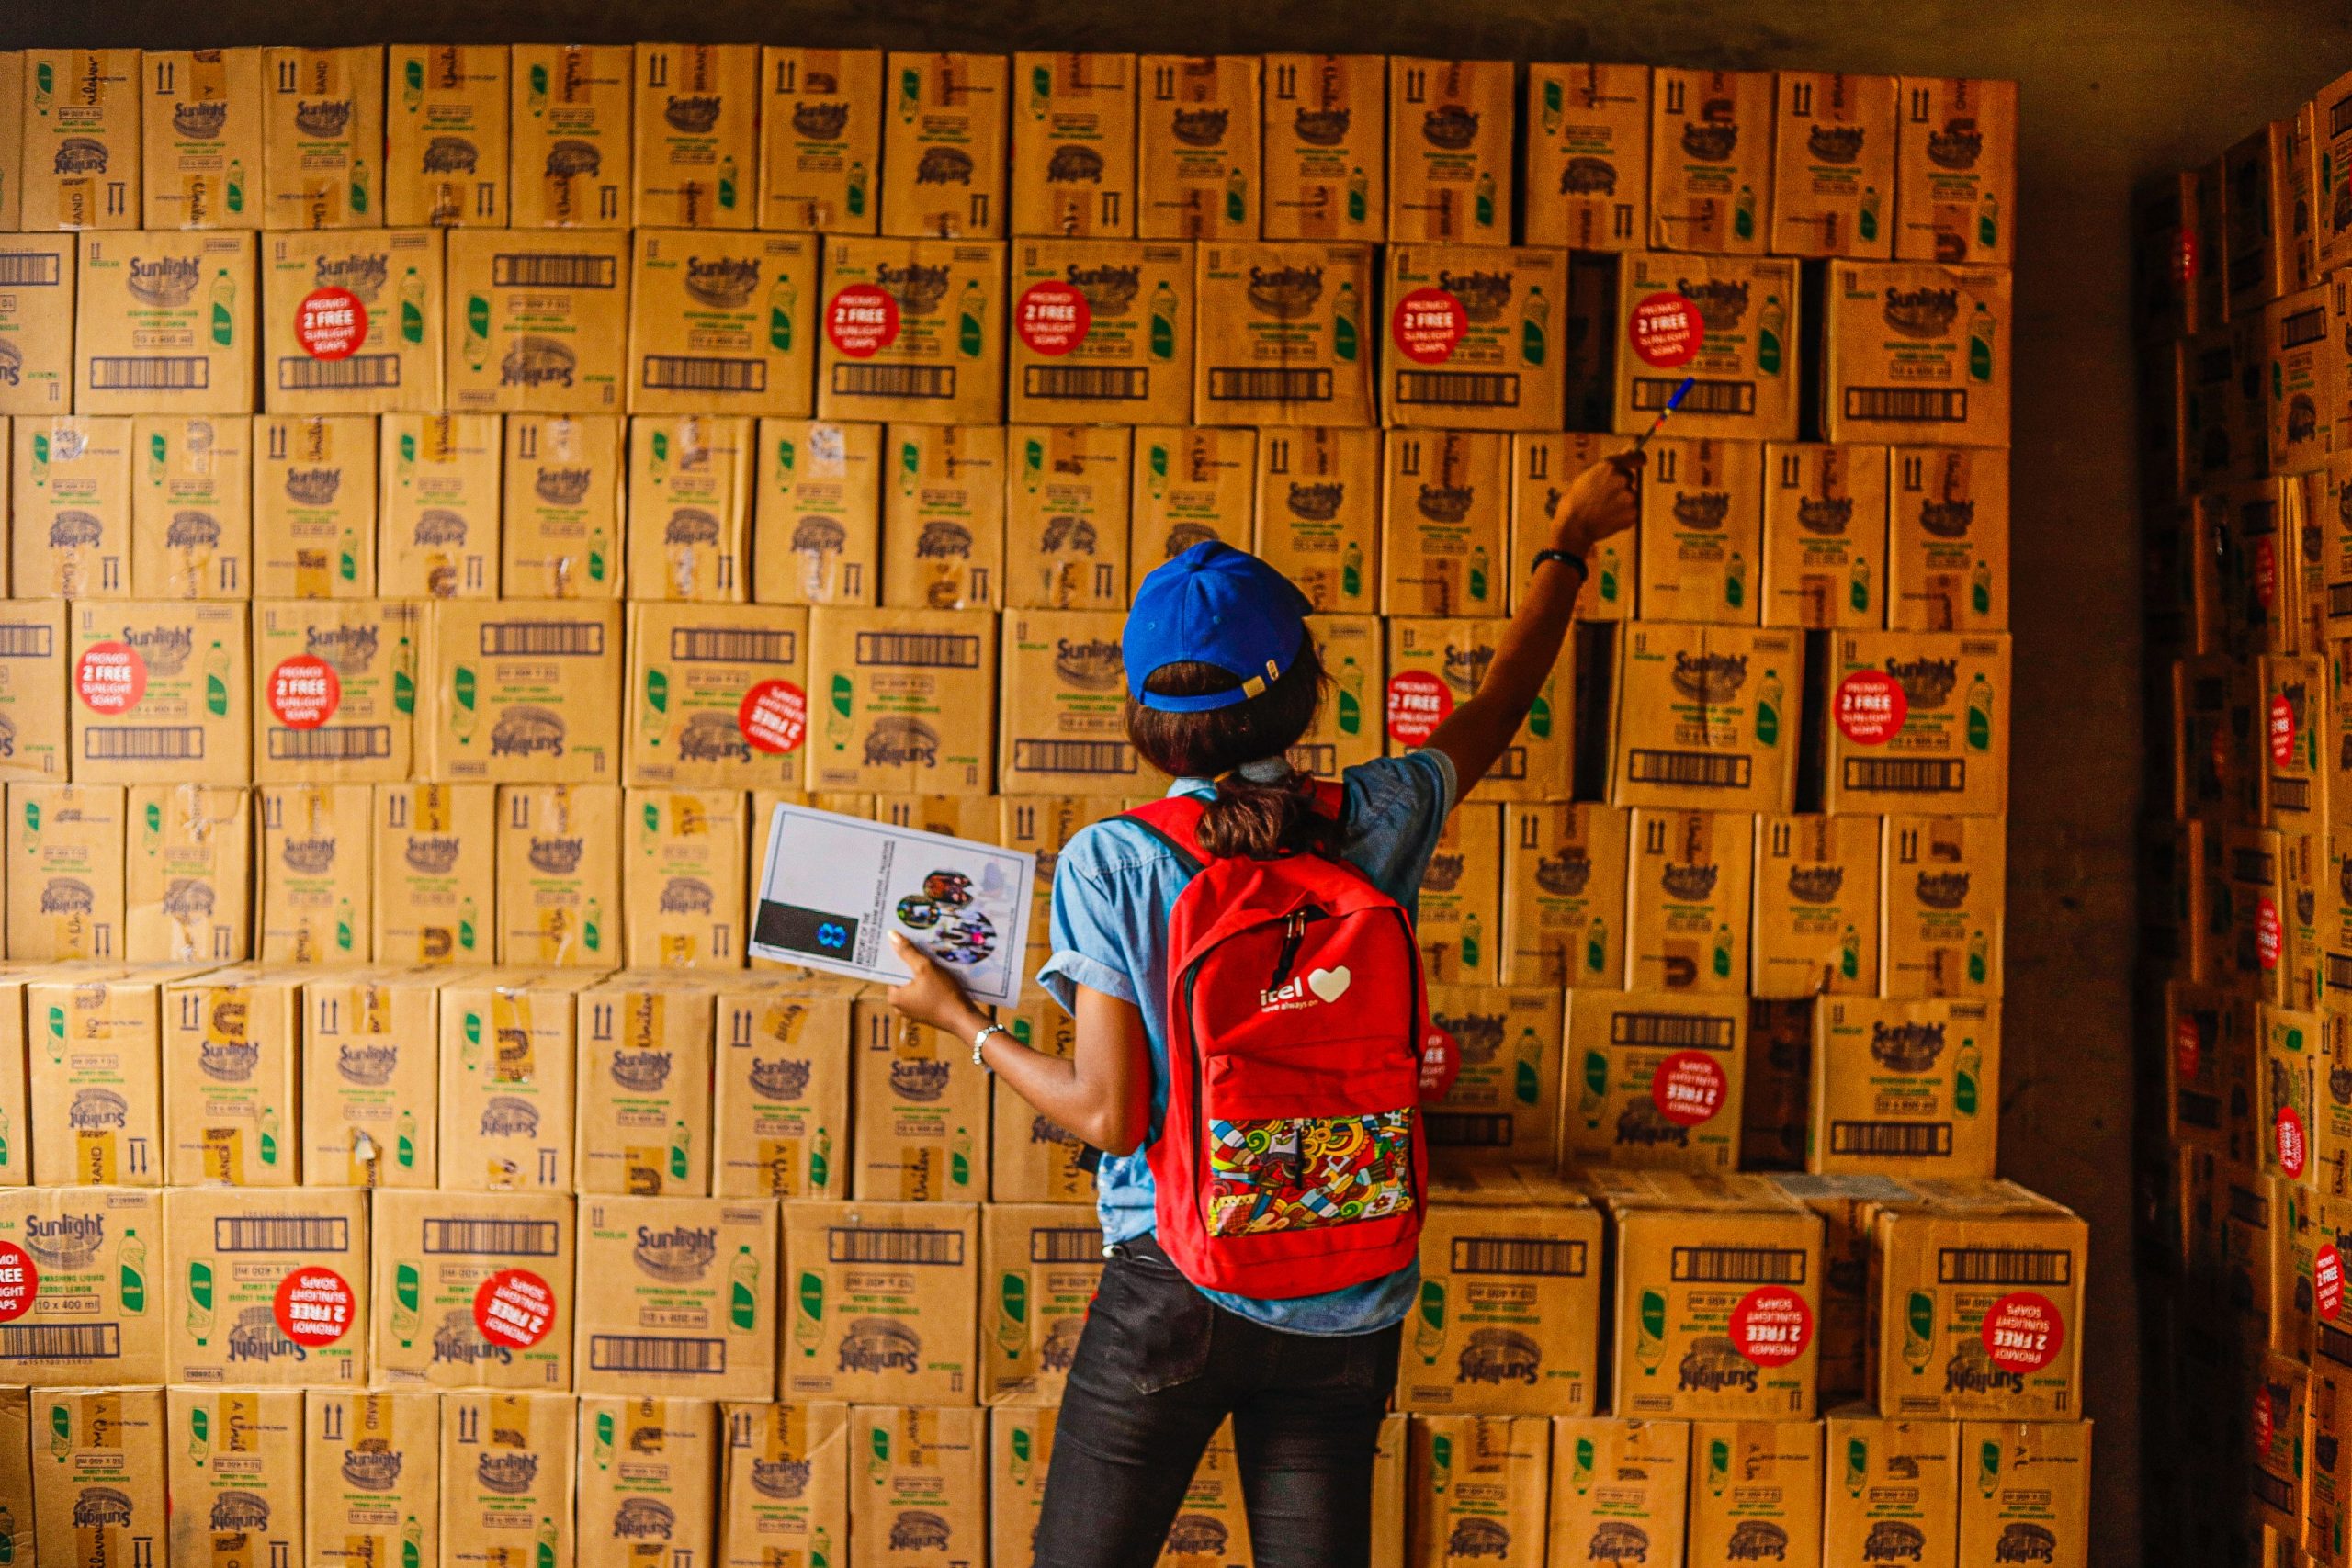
(2110, 93)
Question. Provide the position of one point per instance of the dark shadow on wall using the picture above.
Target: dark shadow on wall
(2111, 92)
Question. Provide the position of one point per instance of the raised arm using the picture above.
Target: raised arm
(1600, 501)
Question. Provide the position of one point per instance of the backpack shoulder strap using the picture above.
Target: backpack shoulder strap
(1175, 821)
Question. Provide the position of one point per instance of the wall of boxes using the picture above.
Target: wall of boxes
(2244, 306)
(456, 492)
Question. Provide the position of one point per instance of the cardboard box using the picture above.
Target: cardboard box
(1473, 339)
(1318, 514)
(689, 507)
(1845, 1204)
(1947, 556)
(334, 684)
(509, 1045)
(1942, 926)
(72, 490)
(536, 321)
(107, 1491)
(1198, 147)
(201, 150)
(2254, 879)
(65, 885)
(1817, 898)
(371, 1464)
(671, 1302)
(1103, 330)
(1755, 1490)
(697, 128)
(923, 1115)
(1324, 126)
(926, 1474)
(1505, 1105)
(645, 1469)
(1956, 172)
(780, 1107)
(1744, 373)
(913, 332)
(1478, 1483)
(943, 521)
(1588, 156)
(1833, 172)
(1042, 1263)
(368, 1078)
(785, 1487)
(1918, 717)
(37, 323)
(165, 322)
(1976, 1306)
(2303, 372)
(507, 1466)
(1689, 901)
(681, 878)
(883, 1302)
(437, 535)
(2288, 1046)
(1074, 144)
(2025, 1490)
(81, 139)
(475, 1288)
(161, 683)
(315, 873)
(2275, 1486)
(559, 877)
(1445, 523)
(1905, 1089)
(1020, 1453)
(323, 138)
(1192, 485)
(235, 1482)
(32, 691)
(2292, 785)
(562, 517)
(1507, 1322)
(15, 1093)
(1435, 665)
(722, 323)
(909, 699)
(1460, 916)
(12, 115)
(1711, 161)
(1450, 153)
(645, 1087)
(817, 515)
(1618, 1488)
(434, 876)
(1287, 334)
(943, 148)
(191, 517)
(1913, 351)
(231, 1085)
(275, 1284)
(446, 141)
(1656, 1078)
(568, 118)
(95, 1318)
(1066, 517)
(1543, 466)
(313, 494)
(1701, 547)
(1346, 732)
(1033, 1158)
(1564, 870)
(1825, 543)
(1064, 706)
(1891, 1486)
(820, 128)
(720, 695)
(322, 355)
(1775, 1083)
(520, 692)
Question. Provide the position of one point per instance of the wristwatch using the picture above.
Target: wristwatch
(1566, 558)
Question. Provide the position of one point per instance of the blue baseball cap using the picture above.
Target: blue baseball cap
(1213, 605)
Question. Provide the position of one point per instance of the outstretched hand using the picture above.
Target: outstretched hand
(932, 996)
(1603, 500)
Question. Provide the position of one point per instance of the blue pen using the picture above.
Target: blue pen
(1671, 404)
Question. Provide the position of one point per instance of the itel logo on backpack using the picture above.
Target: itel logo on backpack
(1306, 990)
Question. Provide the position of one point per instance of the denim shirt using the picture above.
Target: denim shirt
(1114, 888)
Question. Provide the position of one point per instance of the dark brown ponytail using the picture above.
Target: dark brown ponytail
(1257, 817)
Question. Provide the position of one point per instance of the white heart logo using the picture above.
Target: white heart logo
(1330, 984)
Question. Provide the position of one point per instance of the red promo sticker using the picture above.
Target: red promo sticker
(110, 678)
(2021, 1332)
(774, 717)
(1666, 329)
(2327, 1280)
(2283, 732)
(1052, 317)
(1687, 1087)
(1418, 702)
(330, 323)
(1772, 1325)
(863, 320)
(2265, 1421)
(2265, 932)
(1426, 325)
(20, 1282)
(2187, 1049)
(2287, 1136)
(515, 1308)
(1871, 707)
(304, 692)
(314, 1306)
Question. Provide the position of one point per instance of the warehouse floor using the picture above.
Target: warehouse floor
(2110, 93)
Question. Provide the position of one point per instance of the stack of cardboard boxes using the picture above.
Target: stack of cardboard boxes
(456, 492)
(2243, 301)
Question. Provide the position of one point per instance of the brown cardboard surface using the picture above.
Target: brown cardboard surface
(1504, 1104)
(1478, 1481)
(821, 125)
(1949, 752)
(1832, 174)
(561, 517)
(370, 1040)
(438, 1254)
(315, 873)
(1063, 712)
(1956, 172)
(943, 145)
(509, 1048)
(696, 128)
(1197, 155)
(1347, 727)
(1588, 156)
(1540, 762)
(2025, 1486)
(1445, 527)
(71, 489)
(97, 1317)
(65, 885)
(923, 1113)
(191, 507)
(784, 1484)
(1286, 336)
(1318, 512)
(909, 699)
(395, 361)
(780, 1105)
(925, 1491)
(438, 513)
(1700, 548)
(507, 1467)
(323, 138)
(671, 1301)
(106, 1492)
(1690, 887)
(683, 855)
(266, 1288)
(914, 330)
(1905, 1089)
(568, 118)
(535, 319)
(1066, 526)
(335, 690)
(371, 1466)
(446, 143)
(817, 516)
(645, 1469)
(1102, 331)
(1948, 557)
(722, 323)
(186, 881)
(882, 1300)
(1818, 892)
(1563, 899)
(1711, 160)
(1450, 150)
(1889, 1481)
(943, 517)
(1040, 1264)
(718, 695)
(520, 692)
(434, 876)
(1475, 337)
(1542, 464)
(1459, 922)
(1507, 1322)
(234, 1469)
(1825, 520)
(1754, 1486)
(1326, 118)
(1074, 144)
(182, 664)
(1746, 368)
(231, 1079)
(1915, 352)
(1632, 1054)
(1618, 1487)
(559, 877)
(313, 507)
(645, 1087)
(37, 323)
(81, 142)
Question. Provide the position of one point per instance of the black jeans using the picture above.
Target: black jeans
(1159, 1367)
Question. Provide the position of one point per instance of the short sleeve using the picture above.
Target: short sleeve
(1091, 947)
(1396, 808)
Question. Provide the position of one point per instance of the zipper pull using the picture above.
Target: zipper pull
(1292, 937)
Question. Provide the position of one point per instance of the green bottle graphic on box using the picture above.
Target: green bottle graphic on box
(343, 933)
(359, 197)
(820, 1549)
(600, 1453)
(462, 716)
(959, 1158)
(1857, 1464)
(403, 676)
(1554, 104)
(200, 1300)
(1609, 574)
(820, 1163)
(543, 1553)
(1041, 90)
(215, 679)
(1866, 222)
(412, 294)
(1849, 954)
(477, 331)
(406, 1290)
(1441, 1464)
(411, 1543)
(1720, 959)
(1429, 1324)
(1988, 1466)
(130, 1266)
(1482, 206)
(412, 85)
(1538, 715)
(783, 303)
(538, 100)
(1769, 697)
(655, 723)
(727, 183)
(270, 1128)
(1980, 343)
(1472, 930)
(1351, 705)
(1967, 1071)
(1012, 1312)
(681, 1149)
(1980, 714)
(1024, 1444)
(1771, 329)
(1858, 592)
(1596, 945)
(910, 93)
(971, 321)
(1163, 321)
(1980, 958)
(1743, 213)
(1527, 1069)
(1594, 1095)
(1347, 335)
(808, 1321)
(61, 1429)
(1534, 322)
(1478, 564)
(1580, 1467)
(1736, 581)
(224, 309)
(1718, 1465)
(1237, 195)
(199, 1435)
(1988, 223)
(877, 1457)
(856, 199)
(466, 923)
(1359, 199)
(599, 553)
(839, 724)
(743, 1290)
(1649, 1342)
(404, 1140)
(1918, 1330)
(592, 926)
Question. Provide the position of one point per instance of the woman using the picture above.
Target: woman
(1223, 680)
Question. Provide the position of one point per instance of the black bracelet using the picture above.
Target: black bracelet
(1566, 558)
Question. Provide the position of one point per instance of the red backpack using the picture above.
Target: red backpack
(1290, 1160)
